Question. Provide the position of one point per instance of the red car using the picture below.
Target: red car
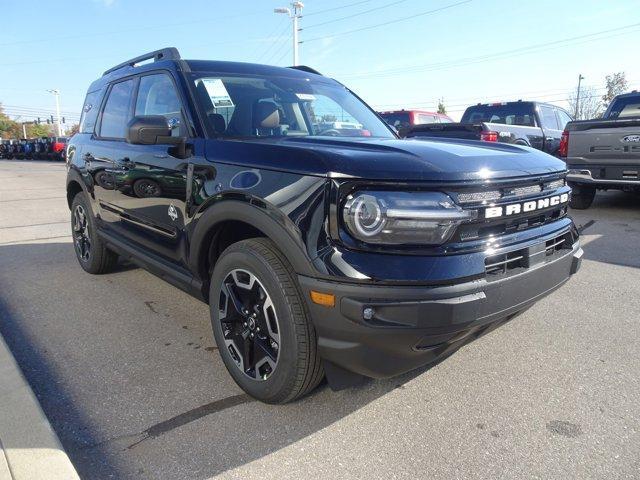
(403, 119)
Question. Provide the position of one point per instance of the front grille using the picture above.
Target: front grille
(500, 195)
(509, 192)
(516, 261)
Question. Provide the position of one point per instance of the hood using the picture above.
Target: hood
(387, 159)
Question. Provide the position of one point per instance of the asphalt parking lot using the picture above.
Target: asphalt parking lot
(128, 374)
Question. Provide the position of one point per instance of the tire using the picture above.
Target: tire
(582, 196)
(293, 367)
(145, 188)
(94, 257)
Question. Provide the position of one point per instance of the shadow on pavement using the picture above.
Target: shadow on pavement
(62, 345)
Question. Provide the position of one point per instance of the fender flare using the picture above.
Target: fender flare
(275, 225)
(74, 176)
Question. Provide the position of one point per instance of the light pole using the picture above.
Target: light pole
(56, 93)
(295, 13)
(580, 78)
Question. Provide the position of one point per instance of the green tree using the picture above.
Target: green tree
(42, 130)
(8, 127)
(73, 129)
(615, 84)
(441, 108)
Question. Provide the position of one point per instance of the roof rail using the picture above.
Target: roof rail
(169, 53)
(304, 68)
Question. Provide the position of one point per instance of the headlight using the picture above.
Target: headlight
(403, 217)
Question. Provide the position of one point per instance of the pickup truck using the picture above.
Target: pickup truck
(318, 252)
(533, 124)
(402, 120)
(604, 153)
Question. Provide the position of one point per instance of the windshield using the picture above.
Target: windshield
(625, 107)
(397, 119)
(509, 114)
(260, 106)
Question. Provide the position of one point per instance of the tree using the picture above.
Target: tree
(615, 85)
(8, 127)
(441, 108)
(589, 104)
(73, 129)
(43, 130)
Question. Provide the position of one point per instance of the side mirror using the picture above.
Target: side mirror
(156, 130)
(148, 130)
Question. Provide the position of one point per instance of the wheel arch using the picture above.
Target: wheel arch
(228, 221)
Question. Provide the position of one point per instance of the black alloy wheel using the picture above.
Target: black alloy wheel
(81, 233)
(249, 324)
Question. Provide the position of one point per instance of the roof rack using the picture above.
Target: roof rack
(304, 68)
(169, 53)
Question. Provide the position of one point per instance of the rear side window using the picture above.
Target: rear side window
(116, 111)
(563, 118)
(90, 111)
(157, 96)
(548, 117)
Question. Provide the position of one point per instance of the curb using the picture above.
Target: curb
(29, 448)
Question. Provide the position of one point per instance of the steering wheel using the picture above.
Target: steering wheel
(332, 132)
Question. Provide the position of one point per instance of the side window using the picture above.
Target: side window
(90, 111)
(157, 96)
(116, 111)
(563, 119)
(548, 117)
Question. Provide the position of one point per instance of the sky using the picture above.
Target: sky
(392, 53)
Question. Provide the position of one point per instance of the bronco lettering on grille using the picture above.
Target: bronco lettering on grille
(524, 207)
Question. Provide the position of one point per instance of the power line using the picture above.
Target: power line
(488, 98)
(355, 14)
(369, 27)
(132, 29)
(498, 55)
(283, 32)
(277, 51)
(336, 8)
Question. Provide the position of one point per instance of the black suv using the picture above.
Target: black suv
(343, 252)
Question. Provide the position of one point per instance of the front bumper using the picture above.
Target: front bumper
(408, 327)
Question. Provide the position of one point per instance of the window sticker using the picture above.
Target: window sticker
(217, 92)
(305, 96)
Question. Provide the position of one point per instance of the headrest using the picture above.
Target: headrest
(266, 115)
(217, 122)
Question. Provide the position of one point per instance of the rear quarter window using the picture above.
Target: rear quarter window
(90, 109)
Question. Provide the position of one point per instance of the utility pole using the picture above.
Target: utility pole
(24, 130)
(56, 93)
(295, 14)
(580, 78)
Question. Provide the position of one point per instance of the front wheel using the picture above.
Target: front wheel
(582, 196)
(261, 323)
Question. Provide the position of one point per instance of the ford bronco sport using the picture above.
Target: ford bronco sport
(319, 252)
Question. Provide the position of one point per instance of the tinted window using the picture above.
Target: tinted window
(90, 111)
(563, 118)
(157, 96)
(548, 117)
(625, 107)
(398, 120)
(509, 114)
(116, 111)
